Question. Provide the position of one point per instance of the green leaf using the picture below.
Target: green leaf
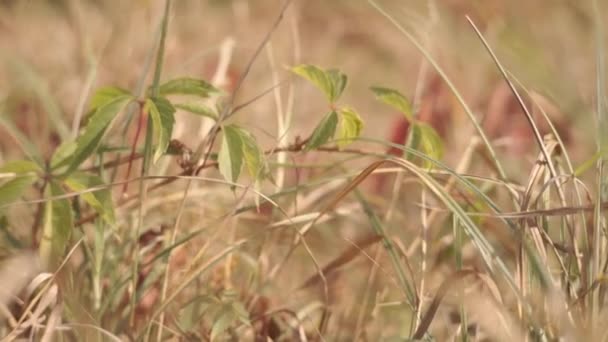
(253, 155)
(351, 126)
(63, 154)
(425, 139)
(105, 95)
(58, 226)
(589, 163)
(338, 81)
(20, 167)
(161, 112)
(23, 174)
(100, 200)
(12, 190)
(88, 142)
(198, 109)
(230, 156)
(394, 99)
(188, 86)
(331, 83)
(324, 131)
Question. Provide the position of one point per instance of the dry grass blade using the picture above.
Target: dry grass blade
(339, 197)
(350, 187)
(35, 301)
(345, 257)
(452, 281)
(53, 323)
(535, 178)
(539, 140)
(408, 288)
(559, 211)
(531, 122)
(485, 248)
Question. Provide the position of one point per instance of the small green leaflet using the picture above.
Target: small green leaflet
(12, 190)
(188, 86)
(63, 154)
(394, 99)
(230, 157)
(422, 137)
(331, 82)
(238, 147)
(161, 112)
(23, 174)
(197, 109)
(100, 199)
(88, 142)
(425, 139)
(338, 81)
(20, 167)
(58, 226)
(105, 95)
(254, 158)
(324, 131)
(350, 128)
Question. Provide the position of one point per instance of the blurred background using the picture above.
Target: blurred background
(55, 52)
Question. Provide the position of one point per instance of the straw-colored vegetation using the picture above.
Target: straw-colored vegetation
(290, 170)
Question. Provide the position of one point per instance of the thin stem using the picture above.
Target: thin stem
(140, 123)
(143, 189)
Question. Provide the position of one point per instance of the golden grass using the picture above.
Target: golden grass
(456, 252)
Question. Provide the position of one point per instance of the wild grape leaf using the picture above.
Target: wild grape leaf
(338, 83)
(161, 112)
(198, 109)
(230, 157)
(324, 131)
(22, 173)
(331, 82)
(350, 128)
(63, 154)
(425, 139)
(13, 189)
(188, 86)
(252, 154)
(88, 142)
(20, 167)
(394, 99)
(105, 95)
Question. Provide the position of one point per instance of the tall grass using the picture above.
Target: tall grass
(472, 244)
